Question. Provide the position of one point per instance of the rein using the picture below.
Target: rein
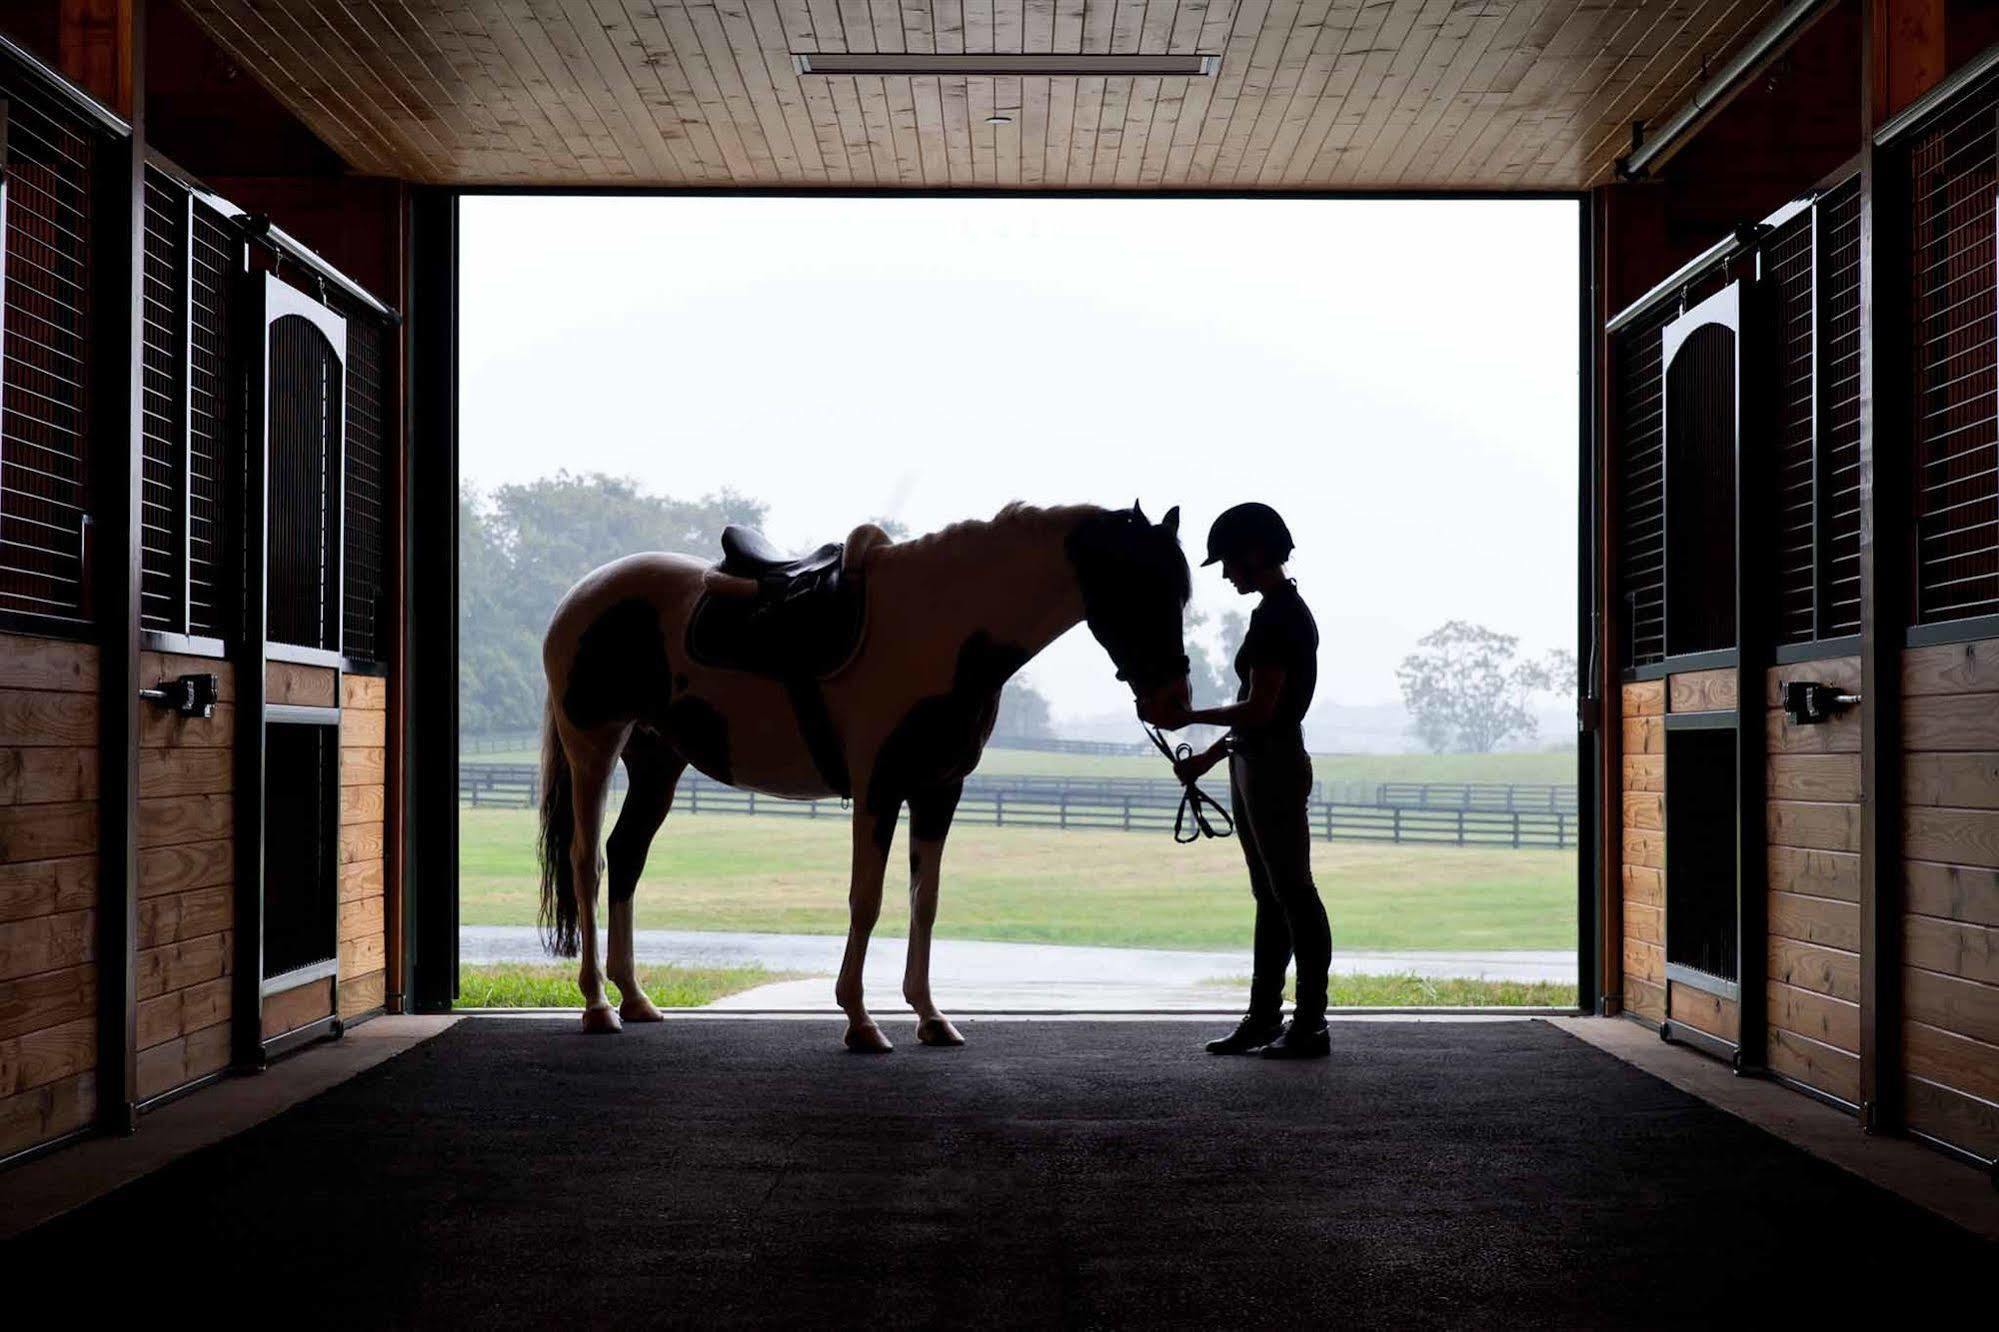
(1192, 799)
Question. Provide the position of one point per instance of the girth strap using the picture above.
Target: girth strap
(815, 723)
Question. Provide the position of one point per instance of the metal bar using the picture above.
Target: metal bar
(187, 416)
(298, 976)
(1793, 653)
(1945, 632)
(1679, 1033)
(1884, 384)
(1592, 883)
(330, 1027)
(1765, 46)
(253, 528)
(1755, 622)
(1983, 66)
(1724, 720)
(430, 606)
(68, 92)
(298, 714)
(117, 305)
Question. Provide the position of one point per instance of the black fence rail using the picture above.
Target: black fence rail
(1050, 745)
(1143, 806)
(1505, 796)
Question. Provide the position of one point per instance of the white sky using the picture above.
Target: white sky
(1397, 377)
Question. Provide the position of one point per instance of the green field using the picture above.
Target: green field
(785, 875)
(524, 985)
(1558, 768)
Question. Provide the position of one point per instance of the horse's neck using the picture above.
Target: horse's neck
(1012, 581)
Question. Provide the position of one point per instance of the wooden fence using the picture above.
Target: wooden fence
(1123, 804)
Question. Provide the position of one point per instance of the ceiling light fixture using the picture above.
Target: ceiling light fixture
(999, 120)
(1074, 66)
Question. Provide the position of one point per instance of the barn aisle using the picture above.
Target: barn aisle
(1083, 1173)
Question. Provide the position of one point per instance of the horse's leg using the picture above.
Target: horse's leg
(652, 771)
(929, 821)
(592, 756)
(873, 834)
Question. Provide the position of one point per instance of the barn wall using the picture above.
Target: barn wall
(1813, 910)
(187, 862)
(363, 842)
(1950, 946)
(48, 888)
(1644, 872)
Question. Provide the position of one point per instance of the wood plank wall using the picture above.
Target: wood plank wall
(187, 875)
(48, 889)
(1702, 691)
(1644, 873)
(1813, 992)
(364, 718)
(1950, 973)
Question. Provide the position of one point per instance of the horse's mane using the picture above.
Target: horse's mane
(1013, 519)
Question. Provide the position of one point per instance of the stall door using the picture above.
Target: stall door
(1714, 745)
(289, 689)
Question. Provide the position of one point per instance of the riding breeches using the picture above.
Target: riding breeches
(1269, 790)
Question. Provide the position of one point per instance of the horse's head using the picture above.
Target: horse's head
(1135, 586)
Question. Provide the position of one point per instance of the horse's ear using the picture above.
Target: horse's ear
(1137, 512)
(1171, 522)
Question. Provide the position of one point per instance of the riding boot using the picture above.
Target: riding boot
(1252, 1032)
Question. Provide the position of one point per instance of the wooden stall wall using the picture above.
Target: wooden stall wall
(1950, 973)
(364, 701)
(1643, 772)
(187, 879)
(1701, 691)
(1814, 791)
(48, 889)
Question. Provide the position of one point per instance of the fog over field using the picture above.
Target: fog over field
(1409, 403)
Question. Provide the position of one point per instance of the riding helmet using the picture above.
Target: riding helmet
(1248, 527)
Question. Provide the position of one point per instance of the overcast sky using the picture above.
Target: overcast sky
(1397, 377)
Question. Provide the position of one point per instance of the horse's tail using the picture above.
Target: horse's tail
(558, 832)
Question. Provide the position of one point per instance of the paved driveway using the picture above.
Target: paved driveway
(968, 975)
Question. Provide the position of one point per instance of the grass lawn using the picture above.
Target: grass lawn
(519, 985)
(1357, 991)
(786, 875)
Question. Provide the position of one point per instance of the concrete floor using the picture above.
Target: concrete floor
(67, 1178)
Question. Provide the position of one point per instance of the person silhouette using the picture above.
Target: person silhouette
(1270, 784)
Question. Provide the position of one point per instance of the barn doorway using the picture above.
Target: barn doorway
(802, 365)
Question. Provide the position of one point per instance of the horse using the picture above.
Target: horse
(889, 703)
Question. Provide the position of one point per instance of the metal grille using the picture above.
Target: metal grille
(368, 387)
(1952, 182)
(44, 390)
(1641, 561)
(1787, 267)
(163, 386)
(213, 440)
(1839, 405)
(305, 405)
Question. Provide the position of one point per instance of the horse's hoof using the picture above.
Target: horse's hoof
(601, 1020)
(866, 1038)
(640, 1009)
(938, 1031)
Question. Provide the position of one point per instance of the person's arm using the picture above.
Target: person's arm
(1194, 768)
(1266, 686)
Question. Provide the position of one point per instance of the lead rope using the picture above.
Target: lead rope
(1192, 798)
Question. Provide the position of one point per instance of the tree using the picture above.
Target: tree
(1023, 712)
(524, 546)
(1467, 691)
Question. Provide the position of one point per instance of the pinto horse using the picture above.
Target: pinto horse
(896, 714)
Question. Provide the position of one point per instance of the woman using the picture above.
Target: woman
(1270, 782)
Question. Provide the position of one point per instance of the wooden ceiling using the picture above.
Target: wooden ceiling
(1310, 94)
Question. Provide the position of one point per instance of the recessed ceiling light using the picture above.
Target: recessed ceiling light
(999, 120)
(914, 62)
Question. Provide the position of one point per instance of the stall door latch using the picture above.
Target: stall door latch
(190, 695)
(1812, 703)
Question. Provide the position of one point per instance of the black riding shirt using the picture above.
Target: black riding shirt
(1281, 635)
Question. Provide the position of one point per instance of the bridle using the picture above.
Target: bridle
(1192, 798)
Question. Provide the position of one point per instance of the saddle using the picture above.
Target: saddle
(802, 622)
